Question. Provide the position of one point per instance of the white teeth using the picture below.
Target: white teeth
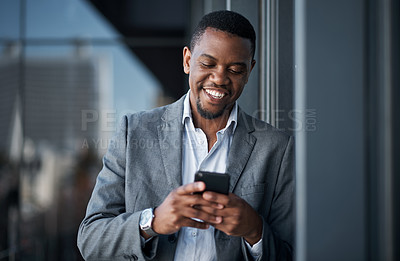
(215, 94)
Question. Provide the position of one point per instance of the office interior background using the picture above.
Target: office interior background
(327, 72)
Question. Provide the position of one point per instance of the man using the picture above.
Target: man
(145, 203)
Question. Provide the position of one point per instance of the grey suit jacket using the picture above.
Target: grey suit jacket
(143, 164)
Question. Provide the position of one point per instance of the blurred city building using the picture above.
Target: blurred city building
(67, 108)
(66, 99)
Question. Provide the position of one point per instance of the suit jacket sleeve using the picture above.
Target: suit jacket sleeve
(278, 225)
(107, 231)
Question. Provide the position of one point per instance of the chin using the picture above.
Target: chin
(208, 114)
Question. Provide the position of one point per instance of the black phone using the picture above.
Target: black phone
(216, 182)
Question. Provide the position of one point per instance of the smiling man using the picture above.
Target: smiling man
(219, 66)
(146, 205)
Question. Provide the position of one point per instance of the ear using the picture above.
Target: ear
(253, 63)
(186, 59)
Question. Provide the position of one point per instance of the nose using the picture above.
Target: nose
(220, 77)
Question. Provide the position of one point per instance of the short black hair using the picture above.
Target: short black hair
(226, 21)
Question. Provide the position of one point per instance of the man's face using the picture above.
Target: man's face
(218, 68)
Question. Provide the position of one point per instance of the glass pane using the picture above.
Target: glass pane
(74, 96)
(134, 87)
(53, 137)
(10, 150)
(9, 19)
(65, 19)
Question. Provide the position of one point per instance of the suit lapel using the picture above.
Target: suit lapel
(241, 148)
(170, 140)
(170, 133)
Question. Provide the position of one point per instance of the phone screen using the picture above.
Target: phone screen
(216, 182)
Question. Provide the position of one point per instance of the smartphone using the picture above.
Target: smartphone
(216, 182)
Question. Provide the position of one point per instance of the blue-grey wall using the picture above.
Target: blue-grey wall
(330, 153)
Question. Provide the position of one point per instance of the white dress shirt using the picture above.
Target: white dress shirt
(193, 243)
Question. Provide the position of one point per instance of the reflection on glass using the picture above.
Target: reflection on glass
(65, 19)
(59, 106)
(10, 149)
(69, 118)
(9, 19)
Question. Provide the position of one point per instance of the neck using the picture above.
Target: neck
(210, 126)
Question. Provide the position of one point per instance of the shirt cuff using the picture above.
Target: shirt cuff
(255, 250)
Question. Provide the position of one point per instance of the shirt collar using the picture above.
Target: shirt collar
(187, 113)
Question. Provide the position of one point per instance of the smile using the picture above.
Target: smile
(215, 94)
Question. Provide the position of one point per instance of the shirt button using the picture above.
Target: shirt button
(201, 142)
(172, 238)
(194, 234)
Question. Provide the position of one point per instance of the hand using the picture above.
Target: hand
(180, 206)
(238, 217)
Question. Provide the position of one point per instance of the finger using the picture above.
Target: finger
(217, 197)
(197, 199)
(193, 200)
(204, 203)
(191, 188)
(188, 222)
(211, 210)
(228, 225)
(204, 216)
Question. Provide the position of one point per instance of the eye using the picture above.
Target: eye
(207, 65)
(234, 71)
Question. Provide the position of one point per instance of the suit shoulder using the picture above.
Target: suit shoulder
(148, 119)
(264, 129)
(153, 117)
(147, 114)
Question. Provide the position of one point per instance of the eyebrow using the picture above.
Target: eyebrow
(213, 58)
(208, 56)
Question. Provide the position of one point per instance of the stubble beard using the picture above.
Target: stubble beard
(206, 114)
